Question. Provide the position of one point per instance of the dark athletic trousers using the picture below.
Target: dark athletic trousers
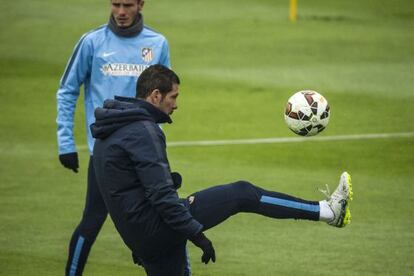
(94, 215)
(214, 205)
(210, 207)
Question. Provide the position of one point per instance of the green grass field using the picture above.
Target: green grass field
(239, 61)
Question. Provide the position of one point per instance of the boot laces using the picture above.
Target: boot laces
(326, 192)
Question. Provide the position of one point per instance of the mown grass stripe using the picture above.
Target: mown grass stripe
(279, 140)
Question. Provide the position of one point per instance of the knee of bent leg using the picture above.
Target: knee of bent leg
(246, 192)
(94, 220)
(90, 225)
(243, 186)
(98, 218)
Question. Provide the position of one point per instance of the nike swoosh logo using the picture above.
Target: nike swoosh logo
(108, 54)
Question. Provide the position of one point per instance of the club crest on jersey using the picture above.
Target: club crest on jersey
(147, 54)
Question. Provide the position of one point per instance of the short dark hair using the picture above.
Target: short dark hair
(156, 77)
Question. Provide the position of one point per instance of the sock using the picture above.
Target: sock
(325, 212)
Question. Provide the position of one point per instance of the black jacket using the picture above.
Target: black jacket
(133, 174)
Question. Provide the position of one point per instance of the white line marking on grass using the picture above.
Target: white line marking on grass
(280, 140)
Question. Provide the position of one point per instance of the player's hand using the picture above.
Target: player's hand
(70, 161)
(177, 179)
(201, 241)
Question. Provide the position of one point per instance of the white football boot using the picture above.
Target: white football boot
(339, 201)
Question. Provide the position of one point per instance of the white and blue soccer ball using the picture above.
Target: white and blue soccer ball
(307, 113)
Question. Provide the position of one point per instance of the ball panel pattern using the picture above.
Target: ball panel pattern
(307, 113)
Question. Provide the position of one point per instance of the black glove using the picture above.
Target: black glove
(70, 161)
(177, 179)
(201, 241)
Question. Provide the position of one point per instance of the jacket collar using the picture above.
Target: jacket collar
(159, 116)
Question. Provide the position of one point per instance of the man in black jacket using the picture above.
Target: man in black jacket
(139, 190)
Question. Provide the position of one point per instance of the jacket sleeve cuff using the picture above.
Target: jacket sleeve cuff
(195, 228)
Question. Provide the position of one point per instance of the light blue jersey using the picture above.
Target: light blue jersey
(107, 65)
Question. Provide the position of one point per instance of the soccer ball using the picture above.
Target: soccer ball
(307, 113)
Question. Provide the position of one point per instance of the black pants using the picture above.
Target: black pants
(216, 204)
(94, 216)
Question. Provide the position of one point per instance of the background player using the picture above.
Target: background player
(107, 61)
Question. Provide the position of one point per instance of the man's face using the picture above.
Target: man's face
(125, 11)
(168, 103)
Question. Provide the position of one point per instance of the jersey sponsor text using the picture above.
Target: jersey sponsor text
(123, 69)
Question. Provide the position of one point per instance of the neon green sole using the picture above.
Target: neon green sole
(347, 217)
